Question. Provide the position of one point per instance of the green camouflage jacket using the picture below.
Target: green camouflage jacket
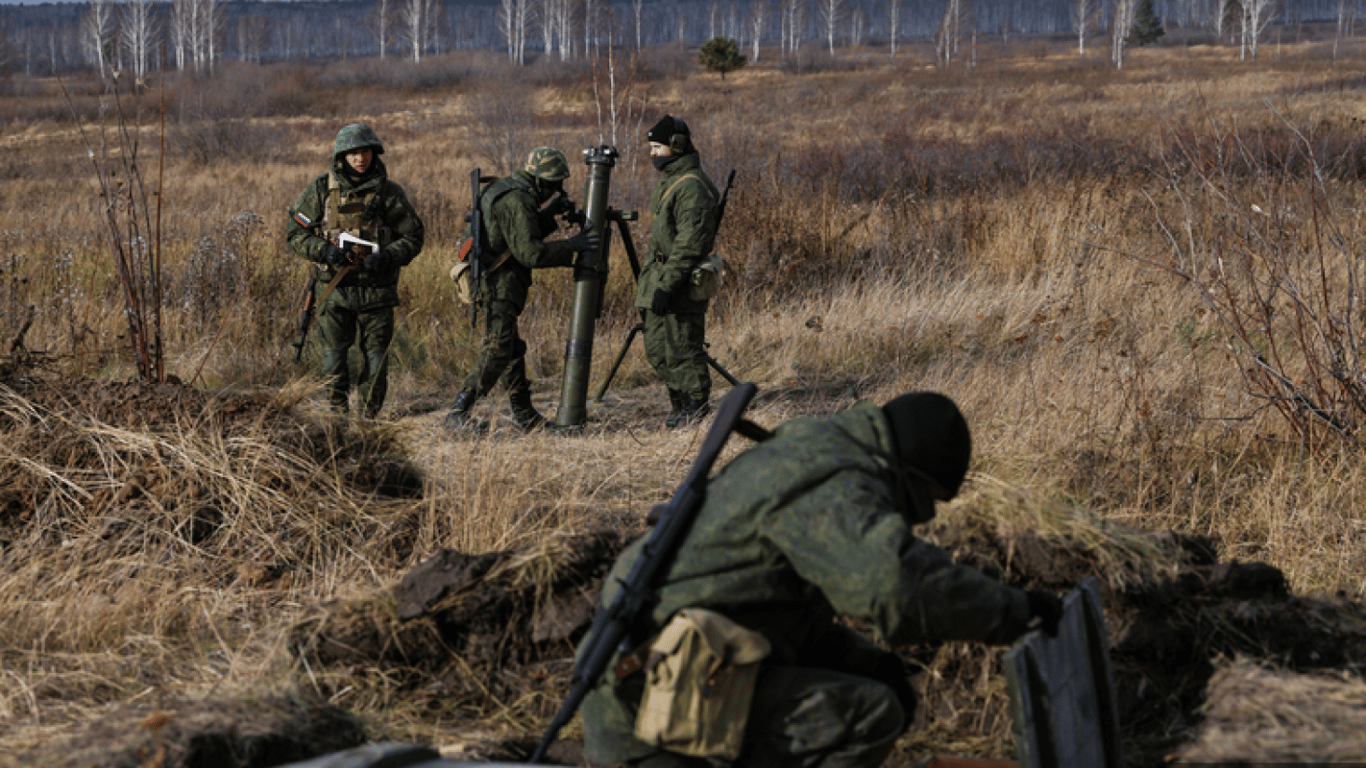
(799, 529)
(394, 224)
(512, 223)
(682, 233)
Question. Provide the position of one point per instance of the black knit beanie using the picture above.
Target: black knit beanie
(664, 130)
(931, 437)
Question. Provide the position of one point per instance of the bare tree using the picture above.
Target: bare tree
(793, 20)
(253, 36)
(381, 23)
(414, 18)
(514, 16)
(757, 20)
(1084, 16)
(832, 12)
(1123, 20)
(194, 26)
(893, 22)
(545, 13)
(638, 11)
(1346, 17)
(1257, 14)
(858, 26)
(957, 16)
(137, 34)
(97, 33)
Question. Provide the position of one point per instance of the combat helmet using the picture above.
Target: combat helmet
(355, 136)
(547, 164)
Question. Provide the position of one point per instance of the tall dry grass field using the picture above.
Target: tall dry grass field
(1141, 286)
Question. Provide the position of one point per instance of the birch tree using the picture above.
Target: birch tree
(1084, 15)
(757, 20)
(1346, 20)
(638, 10)
(1257, 14)
(381, 23)
(253, 36)
(793, 22)
(893, 23)
(858, 25)
(832, 13)
(946, 37)
(1122, 19)
(513, 20)
(137, 32)
(97, 30)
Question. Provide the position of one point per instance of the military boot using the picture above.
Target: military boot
(459, 415)
(675, 401)
(689, 412)
(524, 414)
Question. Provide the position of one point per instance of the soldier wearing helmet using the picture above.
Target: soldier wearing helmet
(357, 286)
(811, 525)
(682, 234)
(515, 229)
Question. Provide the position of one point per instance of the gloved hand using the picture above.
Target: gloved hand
(335, 256)
(1047, 608)
(379, 261)
(588, 239)
(659, 303)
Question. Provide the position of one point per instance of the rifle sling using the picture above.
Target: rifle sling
(327, 291)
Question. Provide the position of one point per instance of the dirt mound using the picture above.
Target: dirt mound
(239, 733)
(125, 441)
(1283, 717)
(471, 630)
(492, 627)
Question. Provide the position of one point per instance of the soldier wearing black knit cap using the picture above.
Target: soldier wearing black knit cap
(806, 528)
(682, 235)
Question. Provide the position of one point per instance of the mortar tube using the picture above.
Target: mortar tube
(590, 271)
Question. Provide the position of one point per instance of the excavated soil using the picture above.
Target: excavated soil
(463, 631)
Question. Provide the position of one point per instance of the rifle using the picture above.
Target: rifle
(476, 251)
(306, 321)
(612, 624)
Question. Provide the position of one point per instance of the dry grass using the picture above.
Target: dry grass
(894, 227)
(1281, 716)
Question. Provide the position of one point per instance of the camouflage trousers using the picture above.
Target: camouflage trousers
(338, 328)
(502, 355)
(809, 717)
(675, 346)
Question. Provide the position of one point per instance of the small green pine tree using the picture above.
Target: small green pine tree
(1147, 26)
(721, 54)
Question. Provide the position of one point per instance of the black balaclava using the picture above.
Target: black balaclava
(933, 444)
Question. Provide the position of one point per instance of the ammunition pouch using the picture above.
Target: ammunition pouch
(700, 680)
(705, 281)
(464, 279)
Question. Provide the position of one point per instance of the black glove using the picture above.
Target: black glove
(379, 261)
(659, 303)
(1047, 608)
(588, 239)
(335, 256)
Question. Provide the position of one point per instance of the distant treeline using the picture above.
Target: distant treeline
(129, 35)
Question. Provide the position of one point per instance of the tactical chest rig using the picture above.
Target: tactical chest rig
(360, 216)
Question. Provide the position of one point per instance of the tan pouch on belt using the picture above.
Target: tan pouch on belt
(699, 684)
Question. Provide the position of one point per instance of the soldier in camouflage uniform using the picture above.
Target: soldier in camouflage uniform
(683, 231)
(515, 229)
(813, 524)
(357, 198)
